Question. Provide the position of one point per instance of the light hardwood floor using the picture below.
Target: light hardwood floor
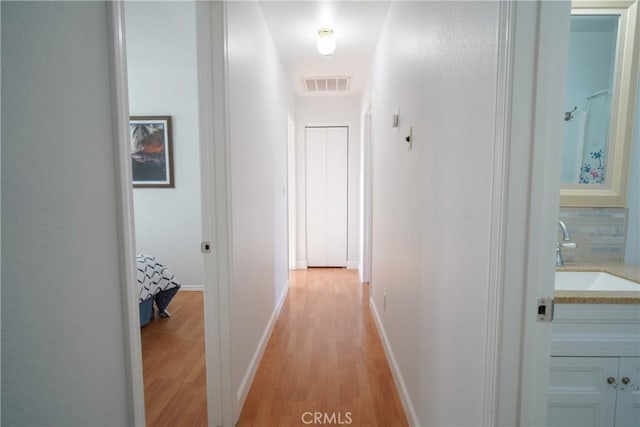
(174, 365)
(324, 356)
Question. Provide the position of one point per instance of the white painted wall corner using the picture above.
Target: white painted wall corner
(301, 265)
(353, 265)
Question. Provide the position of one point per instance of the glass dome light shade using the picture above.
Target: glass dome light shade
(326, 43)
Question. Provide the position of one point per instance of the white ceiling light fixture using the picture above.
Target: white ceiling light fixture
(326, 43)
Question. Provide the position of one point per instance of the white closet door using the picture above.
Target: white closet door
(326, 195)
(336, 243)
(316, 195)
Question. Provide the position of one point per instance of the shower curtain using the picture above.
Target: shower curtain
(595, 138)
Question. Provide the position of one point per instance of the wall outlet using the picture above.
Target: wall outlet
(384, 302)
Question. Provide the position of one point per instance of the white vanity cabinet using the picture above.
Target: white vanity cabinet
(589, 391)
(595, 366)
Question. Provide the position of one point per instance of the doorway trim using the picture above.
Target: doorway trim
(291, 192)
(539, 34)
(366, 191)
(499, 208)
(212, 78)
(124, 211)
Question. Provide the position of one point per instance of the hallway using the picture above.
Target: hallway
(324, 356)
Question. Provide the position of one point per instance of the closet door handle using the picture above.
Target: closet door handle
(611, 381)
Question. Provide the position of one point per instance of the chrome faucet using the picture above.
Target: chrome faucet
(566, 243)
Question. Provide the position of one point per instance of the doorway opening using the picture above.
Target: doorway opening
(167, 208)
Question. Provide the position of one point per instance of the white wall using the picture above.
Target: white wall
(63, 353)
(259, 102)
(436, 62)
(632, 249)
(329, 111)
(161, 62)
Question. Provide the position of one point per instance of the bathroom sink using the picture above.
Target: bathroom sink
(592, 281)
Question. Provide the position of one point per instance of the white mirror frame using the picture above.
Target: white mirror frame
(613, 194)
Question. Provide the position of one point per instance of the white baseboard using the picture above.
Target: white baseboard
(301, 265)
(190, 288)
(245, 385)
(395, 370)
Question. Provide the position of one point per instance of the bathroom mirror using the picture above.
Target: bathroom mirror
(600, 96)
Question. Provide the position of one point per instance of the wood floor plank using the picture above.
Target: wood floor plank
(324, 356)
(174, 365)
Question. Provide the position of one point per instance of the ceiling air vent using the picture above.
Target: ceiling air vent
(327, 84)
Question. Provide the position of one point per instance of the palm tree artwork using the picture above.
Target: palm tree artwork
(151, 151)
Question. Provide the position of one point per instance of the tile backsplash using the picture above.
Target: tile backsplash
(599, 234)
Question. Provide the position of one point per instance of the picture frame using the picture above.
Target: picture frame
(151, 151)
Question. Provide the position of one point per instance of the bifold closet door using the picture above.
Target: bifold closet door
(326, 196)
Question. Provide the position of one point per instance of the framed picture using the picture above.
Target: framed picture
(151, 151)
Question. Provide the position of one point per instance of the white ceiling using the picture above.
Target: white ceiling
(356, 24)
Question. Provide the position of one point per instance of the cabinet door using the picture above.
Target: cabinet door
(579, 394)
(628, 402)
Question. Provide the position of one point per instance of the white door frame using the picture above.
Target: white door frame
(124, 210)
(291, 192)
(211, 28)
(366, 190)
(212, 108)
(534, 58)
